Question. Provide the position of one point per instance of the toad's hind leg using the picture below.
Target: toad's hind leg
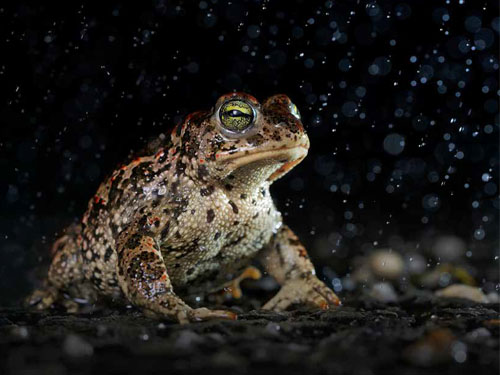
(143, 277)
(65, 271)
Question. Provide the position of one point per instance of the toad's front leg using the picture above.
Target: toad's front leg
(143, 277)
(286, 259)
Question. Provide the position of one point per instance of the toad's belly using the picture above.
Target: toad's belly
(210, 267)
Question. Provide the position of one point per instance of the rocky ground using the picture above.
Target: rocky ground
(418, 334)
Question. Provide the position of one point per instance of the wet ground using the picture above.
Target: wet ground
(419, 334)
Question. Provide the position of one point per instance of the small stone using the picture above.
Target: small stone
(416, 264)
(493, 297)
(463, 291)
(20, 331)
(479, 334)
(383, 292)
(273, 328)
(387, 264)
(76, 346)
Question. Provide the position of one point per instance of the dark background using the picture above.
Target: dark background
(400, 100)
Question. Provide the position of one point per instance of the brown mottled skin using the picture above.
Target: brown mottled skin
(193, 210)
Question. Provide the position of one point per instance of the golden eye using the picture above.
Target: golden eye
(236, 115)
(294, 110)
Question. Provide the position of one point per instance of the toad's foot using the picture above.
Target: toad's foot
(42, 299)
(308, 291)
(232, 288)
(193, 315)
(201, 314)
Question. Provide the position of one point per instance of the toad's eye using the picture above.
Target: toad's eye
(236, 115)
(294, 110)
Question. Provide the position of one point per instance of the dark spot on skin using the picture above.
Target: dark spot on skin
(254, 202)
(207, 191)
(235, 242)
(202, 172)
(256, 140)
(280, 255)
(255, 216)
(177, 235)
(108, 253)
(193, 211)
(133, 241)
(166, 167)
(228, 187)
(263, 192)
(217, 235)
(97, 281)
(180, 167)
(190, 271)
(180, 208)
(210, 215)
(164, 231)
(243, 196)
(234, 206)
(162, 158)
(143, 220)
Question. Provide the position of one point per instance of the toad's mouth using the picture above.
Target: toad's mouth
(285, 158)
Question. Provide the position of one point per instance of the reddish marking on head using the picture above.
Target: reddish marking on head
(202, 161)
(159, 154)
(99, 200)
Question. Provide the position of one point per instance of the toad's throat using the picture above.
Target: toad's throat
(284, 158)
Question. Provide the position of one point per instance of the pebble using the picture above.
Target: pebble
(479, 334)
(493, 297)
(463, 291)
(387, 264)
(416, 264)
(383, 292)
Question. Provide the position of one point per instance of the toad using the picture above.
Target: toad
(192, 210)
